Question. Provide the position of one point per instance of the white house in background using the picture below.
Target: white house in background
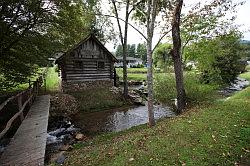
(131, 62)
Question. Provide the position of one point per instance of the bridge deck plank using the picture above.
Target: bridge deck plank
(28, 144)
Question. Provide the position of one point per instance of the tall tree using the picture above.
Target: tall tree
(76, 19)
(123, 38)
(146, 14)
(176, 55)
(207, 20)
(131, 50)
(161, 56)
(24, 42)
(151, 16)
(141, 52)
(219, 58)
(73, 22)
(118, 51)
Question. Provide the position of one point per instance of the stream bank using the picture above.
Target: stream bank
(63, 137)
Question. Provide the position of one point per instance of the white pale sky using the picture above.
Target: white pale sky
(243, 12)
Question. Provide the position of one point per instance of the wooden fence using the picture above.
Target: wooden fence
(22, 100)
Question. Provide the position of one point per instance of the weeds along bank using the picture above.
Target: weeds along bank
(165, 91)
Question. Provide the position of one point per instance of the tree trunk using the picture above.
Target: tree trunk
(176, 54)
(150, 84)
(125, 53)
(151, 15)
(124, 45)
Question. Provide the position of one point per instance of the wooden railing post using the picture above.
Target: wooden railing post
(29, 83)
(32, 92)
(19, 100)
(30, 95)
(44, 80)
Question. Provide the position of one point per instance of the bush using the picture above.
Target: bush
(164, 88)
(218, 58)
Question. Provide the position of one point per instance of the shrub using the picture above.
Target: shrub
(218, 58)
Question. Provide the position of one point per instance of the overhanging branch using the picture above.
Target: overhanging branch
(161, 39)
(106, 15)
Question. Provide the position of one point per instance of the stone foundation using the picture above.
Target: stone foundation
(78, 86)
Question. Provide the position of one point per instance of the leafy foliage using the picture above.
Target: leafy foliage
(141, 52)
(196, 92)
(131, 50)
(218, 58)
(118, 51)
(161, 56)
(33, 31)
(207, 20)
(24, 45)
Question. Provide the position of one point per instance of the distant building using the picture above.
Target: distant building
(131, 62)
(87, 65)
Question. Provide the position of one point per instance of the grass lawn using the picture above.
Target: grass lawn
(246, 75)
(132, 70)
(52, 80)
(217, 133)
(23, 86)
(134, 74)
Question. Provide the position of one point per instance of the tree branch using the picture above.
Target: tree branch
(134, 6)
(118, 22)
(161, 39)
(106, 15)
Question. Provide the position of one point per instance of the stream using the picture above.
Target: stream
(238, 85)
(62, 134)
(119, 119)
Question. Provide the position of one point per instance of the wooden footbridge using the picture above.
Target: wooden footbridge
(27, 147)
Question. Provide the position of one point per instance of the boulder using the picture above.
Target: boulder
(63, 105)
(58, 158)
(80, 137)
(138, 101)
(66, 148)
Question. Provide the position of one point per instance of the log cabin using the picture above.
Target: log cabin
(87, 65)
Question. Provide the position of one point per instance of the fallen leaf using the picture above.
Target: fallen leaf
(246, 150)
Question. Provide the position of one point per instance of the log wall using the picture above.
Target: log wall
(82, 63)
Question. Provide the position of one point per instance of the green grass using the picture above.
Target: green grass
(137, 77)
(246, 75)
(197, 93)
(92, 100)
(23, 86)
(218, 134)
(134, 74)
(132, 70)
(246, 92)
(52, 80)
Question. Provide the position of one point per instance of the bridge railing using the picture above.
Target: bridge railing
(19, 103)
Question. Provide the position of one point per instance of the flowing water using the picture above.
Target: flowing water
(120, 119)
(238, 85)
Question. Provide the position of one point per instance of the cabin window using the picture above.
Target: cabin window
(78, 64)
(100, 65)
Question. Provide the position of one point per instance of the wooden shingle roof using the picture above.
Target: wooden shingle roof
(91, 36)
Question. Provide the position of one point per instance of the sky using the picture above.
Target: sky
(242, 19)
